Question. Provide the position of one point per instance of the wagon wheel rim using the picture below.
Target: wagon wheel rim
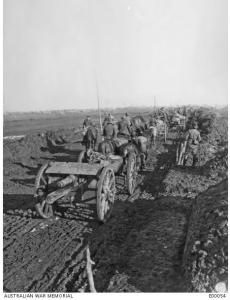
(132, 174)
(105, 194)
(44, 209)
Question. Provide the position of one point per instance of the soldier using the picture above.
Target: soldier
(127, 118)
(108, 117)
(153, 130)
(87, 122)
(109, 131)
(142, 144)
(162, 113)
(105, 119)
(192, 139)
(124, 128)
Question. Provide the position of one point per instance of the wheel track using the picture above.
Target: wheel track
(13, 226)
(28, 265)
(7, 241)
(99, 246)
(60, 270)
(51, 268)
(51, 274)
(37, 233)
(71, 267)
(78, 278)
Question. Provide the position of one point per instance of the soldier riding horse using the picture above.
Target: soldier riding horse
(90, 138)
(133, 140)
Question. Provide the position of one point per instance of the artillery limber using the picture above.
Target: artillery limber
(93, 171)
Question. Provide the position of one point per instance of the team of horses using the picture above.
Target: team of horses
(107, 146)
(138, 123)
(122, 145)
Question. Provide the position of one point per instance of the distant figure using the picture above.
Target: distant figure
(90, 137)
(141, 141)
(107, 146)
(192, 139)
(178, 117)
(127, 118)
(109, 131)
(86, 123)
(153, 131)
(108, 117)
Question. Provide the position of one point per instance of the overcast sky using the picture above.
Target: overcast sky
(173, 49)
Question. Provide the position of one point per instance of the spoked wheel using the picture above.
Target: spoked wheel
(180, 155)
(131, 176)
(106, 191)
(44, 209)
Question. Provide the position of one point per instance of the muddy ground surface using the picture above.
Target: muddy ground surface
(140, 248)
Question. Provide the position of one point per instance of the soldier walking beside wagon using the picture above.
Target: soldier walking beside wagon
(193, 139)
(189, 146)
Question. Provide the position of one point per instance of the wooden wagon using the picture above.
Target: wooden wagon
(56, 180)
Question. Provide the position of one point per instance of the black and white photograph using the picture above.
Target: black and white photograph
(115, 147)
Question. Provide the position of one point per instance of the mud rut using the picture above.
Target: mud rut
(48, 255)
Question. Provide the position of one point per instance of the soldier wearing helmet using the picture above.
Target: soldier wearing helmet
(124, 128)
(109, 131)
(108, 118)
(87, 123)
(193, 139)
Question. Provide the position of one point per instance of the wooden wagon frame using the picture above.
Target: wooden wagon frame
(56, 180)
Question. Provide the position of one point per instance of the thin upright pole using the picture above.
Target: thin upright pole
(98, 102)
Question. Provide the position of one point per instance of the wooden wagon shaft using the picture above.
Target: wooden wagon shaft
(89, 271)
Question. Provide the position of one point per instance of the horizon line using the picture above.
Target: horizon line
(111, 108)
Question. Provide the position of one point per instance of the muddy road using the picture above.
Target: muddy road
(48, 255)
(141, 245)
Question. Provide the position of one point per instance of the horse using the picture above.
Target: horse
(113, 146)
(138, 122)
(107, 147)
(90, 138)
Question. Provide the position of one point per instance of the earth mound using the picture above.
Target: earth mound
(206, 249)
(190, 182)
